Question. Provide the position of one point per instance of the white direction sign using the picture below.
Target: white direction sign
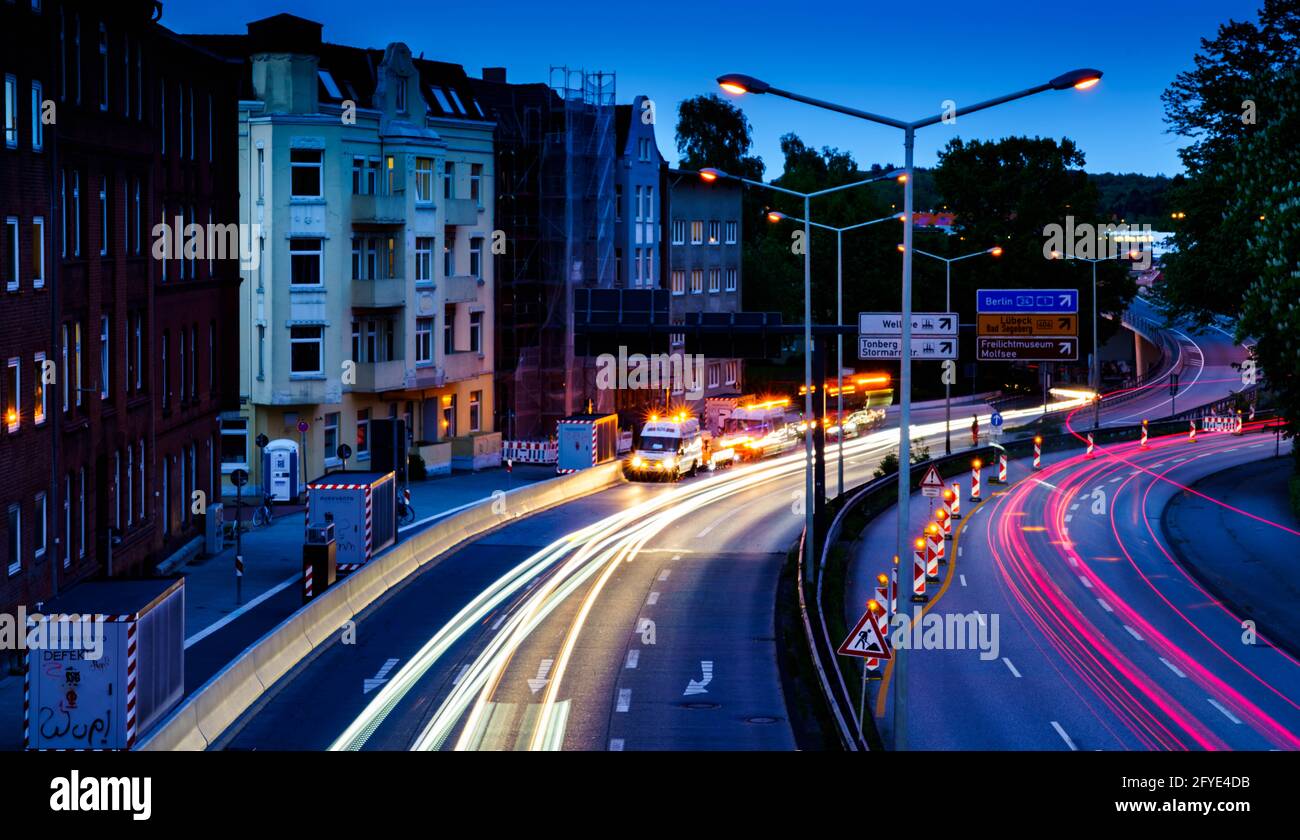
(924, 324)
(890, 347)
(932, 484)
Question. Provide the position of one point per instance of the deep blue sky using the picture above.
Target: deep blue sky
(846, 52)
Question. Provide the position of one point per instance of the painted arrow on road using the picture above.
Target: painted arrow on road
(379, 678)
(539, 682)
(693, 687)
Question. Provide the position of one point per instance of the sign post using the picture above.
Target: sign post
(239, 478)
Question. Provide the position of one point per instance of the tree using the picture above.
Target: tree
(1217, 105)
(711, 132)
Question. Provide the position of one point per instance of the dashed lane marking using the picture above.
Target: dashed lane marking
(633, 657)
(1171, 667)
(1132, 632)
(1014, 672)
(1229, 715)
(624, 700)
(1064, 737)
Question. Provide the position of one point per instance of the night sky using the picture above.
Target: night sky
(847, 53)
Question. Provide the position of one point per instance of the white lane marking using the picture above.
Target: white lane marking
(539, 682)
(1229, 715)
(960, 549)
(963, 579)
(615, 744)
(633, 657)
(1074, 506)
(664, 574)
(1069, 517)
(1045, 483)
(460, 675)
(1115, 479)
(1132, 632)
(677, 557)
(1012, 667)
(1178, 460)
(1087, 583)
(380, 677)
(1064, 737)
(1171, 667)
(1157, 466)
(217, 625)
(1074, 561)
(624, 700)
(500, 619)
(652, 599)
(1233, 449)
(693, 687)
(1105, 606)
(705, 532)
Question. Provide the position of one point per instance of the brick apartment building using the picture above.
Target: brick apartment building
(112, 124)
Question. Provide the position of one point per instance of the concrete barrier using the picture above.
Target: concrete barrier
(203, 716)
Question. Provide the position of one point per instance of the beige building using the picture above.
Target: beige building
(370, 176)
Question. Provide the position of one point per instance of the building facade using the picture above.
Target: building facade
(704, 266)
(368, 178)
(115, 130)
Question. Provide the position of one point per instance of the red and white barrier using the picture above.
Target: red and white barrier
(933, 551)
(1002, 468)
(956, 500)
(1144, 435)
(893, 588)
(1090, 445)
(945, 522)
(975, 479)
(1237, 428)
(531, 451)
(918, 571)
(882, 621)
(1038, 453)
(1191, 431)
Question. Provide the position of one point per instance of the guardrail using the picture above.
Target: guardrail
(832, 677)
(203, 716)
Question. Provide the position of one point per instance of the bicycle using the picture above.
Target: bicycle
(405, 511)
(263, 515)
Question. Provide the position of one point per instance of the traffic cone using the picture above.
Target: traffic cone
(1144, 434)
(1038, 452)
(956, 500)
(918, 572)
(975, 479)
(1090, 445)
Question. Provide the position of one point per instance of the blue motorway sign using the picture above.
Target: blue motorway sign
(1027, 300)
(996, 419)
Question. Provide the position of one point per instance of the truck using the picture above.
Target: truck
(363, 508)
(669, 448)
(585, 440)
(758, 429)
(104, 662)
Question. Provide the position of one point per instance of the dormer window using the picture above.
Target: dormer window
(401, 94)
(330, 86)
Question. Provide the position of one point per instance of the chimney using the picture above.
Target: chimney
(494, 74)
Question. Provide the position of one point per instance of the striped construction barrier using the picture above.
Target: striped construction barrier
(975, 479)
(1143, 444)
(956, 500)
(945, 522)
(1038, 452)
(1191, 431)
(918, 571)
(1091, 445)
(531, 451)
(934, 551)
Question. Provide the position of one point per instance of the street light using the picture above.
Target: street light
(995, 251)
(1081, 79)
(777, 216)
(710, 175)
(1095, 372)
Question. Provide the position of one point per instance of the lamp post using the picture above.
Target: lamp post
(739, 84)
(709, 175)
(1095, 367)
(995, 251)
(776, 216)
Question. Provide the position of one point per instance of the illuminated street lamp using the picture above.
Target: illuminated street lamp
(775, 216)
(738, 83)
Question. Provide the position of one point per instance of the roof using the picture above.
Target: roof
(350, 477)
(113, 597)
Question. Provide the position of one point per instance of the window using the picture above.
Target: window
(731, 233)
(476, 183)
(67, 520)
(305, 262)
(126, 75)
(138, 357)
(424, 180)
(424, 259)
(194, 365)
(636, 269)
(697, 232)
(715, 231)
(475, 410)
(13, 395)
(476, 257)
(11, 111)
(164, 369)
(424, 341)
(81, 512)
(12, 261)
(365, 175)
(38, 252)
(400, 91)
(715, 276)
(76, 56)
(103, 216)
(15, 539)
(731, 279)
(715, 375)
(180, 120)
(77, 381)
(448, 416)
(697, 281)
(618, 202)
(448, 258)
(679, 282)
(448, 179)
(103, 357)
(65, 378)
(117, 490)
(183, 367)
(363, 433)
(442, 99)
(74, 211)
(638, 203)
(305, 173)
(449, 330)
(305, 349)
(130, 485)
(103, 68)
(140, 476)
(38, 389)
(234, 444)
(649, 204)
(136, 215)
(476, 332)
(38, 128)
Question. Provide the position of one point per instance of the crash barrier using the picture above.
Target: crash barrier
(876, 496)
(204, 715)
(531, 451)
